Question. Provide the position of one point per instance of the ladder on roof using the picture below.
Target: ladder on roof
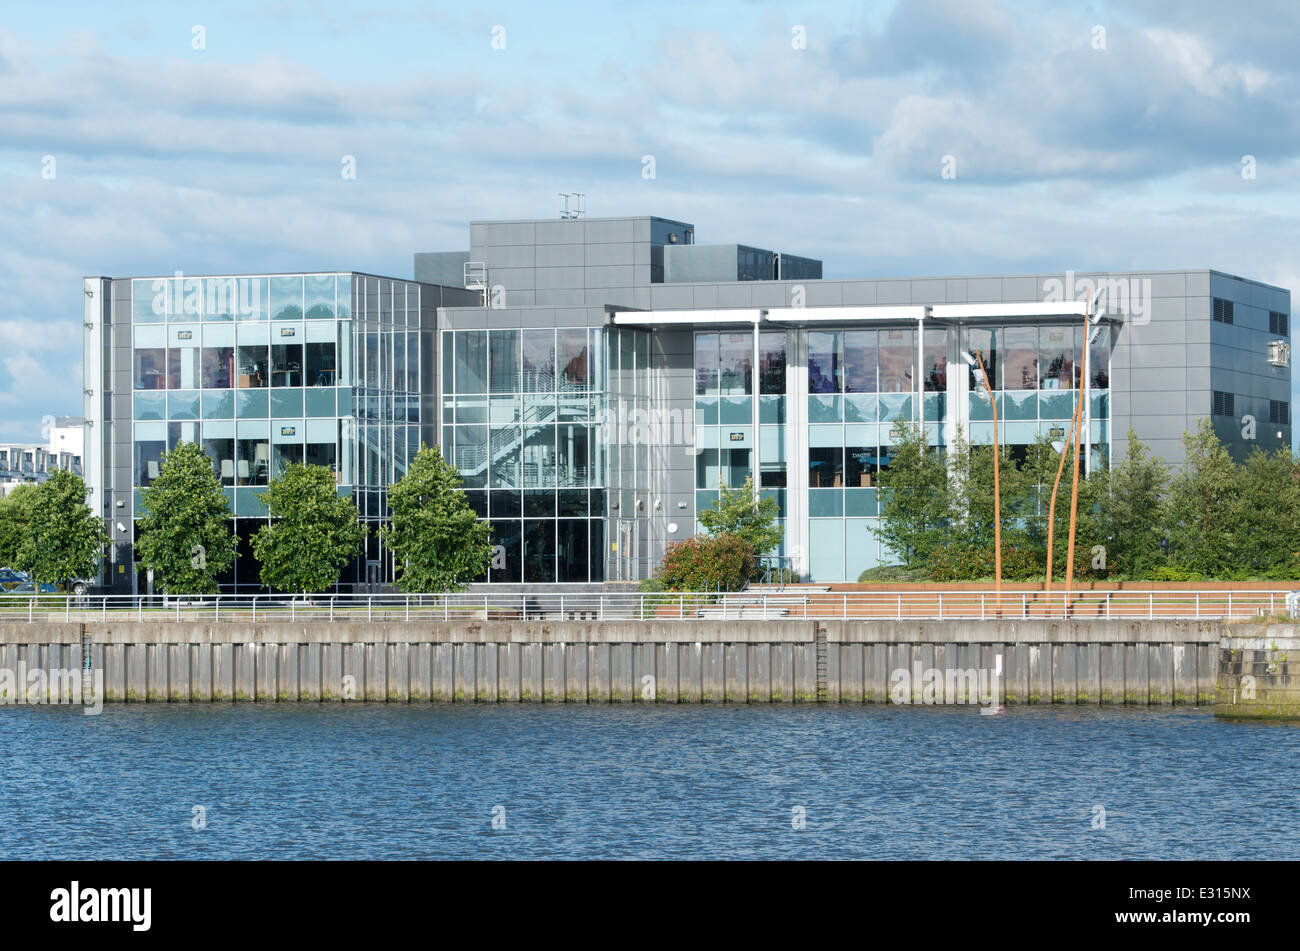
(475, 273)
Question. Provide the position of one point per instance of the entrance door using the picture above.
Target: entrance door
(627, 547)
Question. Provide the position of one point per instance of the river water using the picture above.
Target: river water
(330, 781)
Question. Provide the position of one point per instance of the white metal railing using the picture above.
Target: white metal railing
(791, 603)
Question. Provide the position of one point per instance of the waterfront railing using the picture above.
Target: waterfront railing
(786, 604)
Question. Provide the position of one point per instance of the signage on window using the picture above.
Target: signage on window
(737, 437)
(185, 335)
(288, 430)
(288, 331)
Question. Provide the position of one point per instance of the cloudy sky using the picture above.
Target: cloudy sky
(209, 137)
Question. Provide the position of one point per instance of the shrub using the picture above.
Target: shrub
(1175, 573)
(712, 562)
(895, 573)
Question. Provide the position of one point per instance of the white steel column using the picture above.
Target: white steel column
(796, 450)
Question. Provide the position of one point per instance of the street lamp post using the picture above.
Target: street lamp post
(975, 360)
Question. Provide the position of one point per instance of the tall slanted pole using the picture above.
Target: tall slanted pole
(1074, 487)
(1066, 446)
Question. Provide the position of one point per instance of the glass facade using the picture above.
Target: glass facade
(740, 414)
(561, 434)
(262, 371)
(521, 419)
(859, 382)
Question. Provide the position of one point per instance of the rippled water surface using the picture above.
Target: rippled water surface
(397, 781)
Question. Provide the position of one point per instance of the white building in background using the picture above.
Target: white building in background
(33, 462)
(67, 440)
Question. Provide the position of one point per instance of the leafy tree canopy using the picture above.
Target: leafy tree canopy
(738, 512)
(439, 542)
(64, 539)
(184, 532)
(313, 534)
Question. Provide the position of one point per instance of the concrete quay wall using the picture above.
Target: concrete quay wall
(849, 661)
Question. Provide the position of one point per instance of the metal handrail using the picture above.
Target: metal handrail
(786, 603)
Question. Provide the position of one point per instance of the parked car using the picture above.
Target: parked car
(10, 578)
(28, 587)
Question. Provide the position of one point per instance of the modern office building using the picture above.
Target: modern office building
(335, 369)
(597, 380)
(705, 370)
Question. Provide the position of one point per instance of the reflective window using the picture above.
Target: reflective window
(251, 365)
(253, 461)
(935, 361)
(1099, 360)
(539, 550)
(319, 297)
(861, 463)
(572, 360)
(471, 362)
(861, 361)
(539, 361)
(1020, 358)
(771, 362)
(571, 550)
(706, 364)
(148, 460)
(736, 363)
(222, 453)
(149, 301)
(984, 344)
(182, 368)
(286, 364)
(897, 361)
(149, 405)
(151, 368)
(1056, 348)
(220, 298)
(218, 368)
(320, 369)
(218, 404)
(825, 467)
(825, 362)
(286, 297)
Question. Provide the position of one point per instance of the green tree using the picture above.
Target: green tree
(1204, 507)
(184, 532)
(439, 542)
(15, 521)
(1132, 508)
(313, 534)
(915, 497)
(1267, 527)
(64, 539)
(738, 512)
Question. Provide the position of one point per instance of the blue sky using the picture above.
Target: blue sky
(227, 158)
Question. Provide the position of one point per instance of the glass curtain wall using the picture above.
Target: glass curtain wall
(522, 413)
(730, 373)
(860, 381)
(255, 369)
